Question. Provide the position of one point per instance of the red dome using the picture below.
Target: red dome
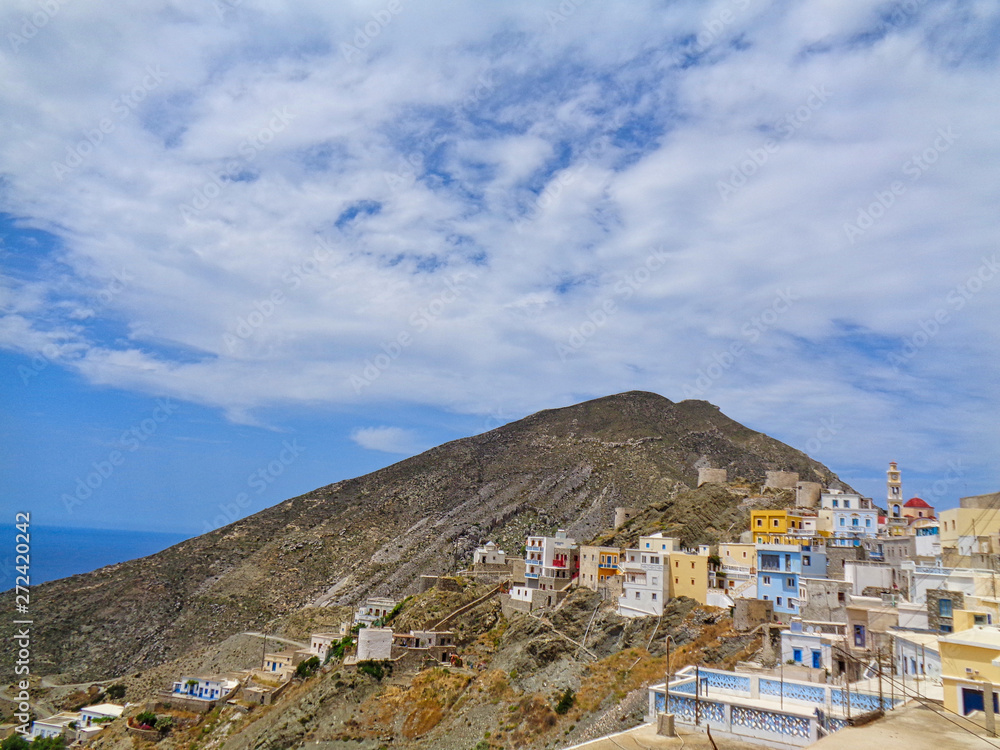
(916, 502)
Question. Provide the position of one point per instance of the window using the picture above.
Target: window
(841, 598)
(647, 545)
(842, 522)
(677, 580)
(654, 597)
(944, 607)
(790, 583)
(775, 522)
(692, 582)
(654, 580)
(767, 580)
(778, 601)
(806, 560)
(836, 503)
(859, 636)
(654, 559)
(854, 522)
(692, 566)
(644, 558)
(638, 595)
(868, 522)
(760, 521)
(677, 563)
(797, 655)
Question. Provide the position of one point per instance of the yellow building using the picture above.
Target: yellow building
(976, 516)
(597, 564)
(689, 574)
(969, 659)
(777, 527)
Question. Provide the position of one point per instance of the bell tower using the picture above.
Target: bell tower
(894, 485)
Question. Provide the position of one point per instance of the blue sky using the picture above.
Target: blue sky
(252, 248)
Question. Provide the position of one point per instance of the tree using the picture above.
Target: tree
(116, 692)
(48, 743)
(15, 742)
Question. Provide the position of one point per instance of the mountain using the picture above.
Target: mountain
(376, 534)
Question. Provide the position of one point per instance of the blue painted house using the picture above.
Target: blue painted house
(779, 567)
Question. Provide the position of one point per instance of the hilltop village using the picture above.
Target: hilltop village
(842, 612)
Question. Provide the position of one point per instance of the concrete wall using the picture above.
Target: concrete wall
(712, 476)
(624, 514)
(807, 494)
(785, 480)
(374, 644)
(749, 613)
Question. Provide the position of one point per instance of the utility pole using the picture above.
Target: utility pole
(666, 684)
(263, 654)
(697, 695)
(881, 701)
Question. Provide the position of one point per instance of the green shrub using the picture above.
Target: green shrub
(566, 702)
(377, 669)
(308, 667)
(116, 692)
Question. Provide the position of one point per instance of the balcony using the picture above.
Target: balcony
(531, 548)
(558, 563)
(531, 575)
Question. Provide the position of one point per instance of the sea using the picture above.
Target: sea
(58, 552)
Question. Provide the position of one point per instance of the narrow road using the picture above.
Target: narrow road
(276, 638)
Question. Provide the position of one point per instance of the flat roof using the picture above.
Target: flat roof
(911, 727)
(984, 637)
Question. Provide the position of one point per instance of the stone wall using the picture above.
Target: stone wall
(782, 480)
(807, 494)
(712, 476)
(836, 556)
(934, 597)
(622, 515)
(749, 613)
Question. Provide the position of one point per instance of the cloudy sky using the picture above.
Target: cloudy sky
(250, 248)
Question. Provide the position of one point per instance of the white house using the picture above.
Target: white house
(489, 554)
(808, 646)
(374, 644)
(644, 576)
(100, 712)
(917, 655)
(204, 688)
(374, 608)
(319, 643)
(846, 514)
(54, 725)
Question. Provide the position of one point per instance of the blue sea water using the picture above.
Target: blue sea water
(57, 552)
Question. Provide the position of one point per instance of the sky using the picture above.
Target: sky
(251, 248)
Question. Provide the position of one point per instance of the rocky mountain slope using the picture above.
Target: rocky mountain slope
(378, 533)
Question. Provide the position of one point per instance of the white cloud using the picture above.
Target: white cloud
(548, 187)
(388, 440)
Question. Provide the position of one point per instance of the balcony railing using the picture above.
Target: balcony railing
(532, 548)
(531, 575)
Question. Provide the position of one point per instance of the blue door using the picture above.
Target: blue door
(816, 659)
(972, 700)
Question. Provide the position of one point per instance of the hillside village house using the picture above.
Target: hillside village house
(645, 570)
(969, 660)
(54, 726)
(550, 566)
(319, 643)
(489, 554)
(808, 646)
(597, 564)
(209, 688)
(374, 608)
